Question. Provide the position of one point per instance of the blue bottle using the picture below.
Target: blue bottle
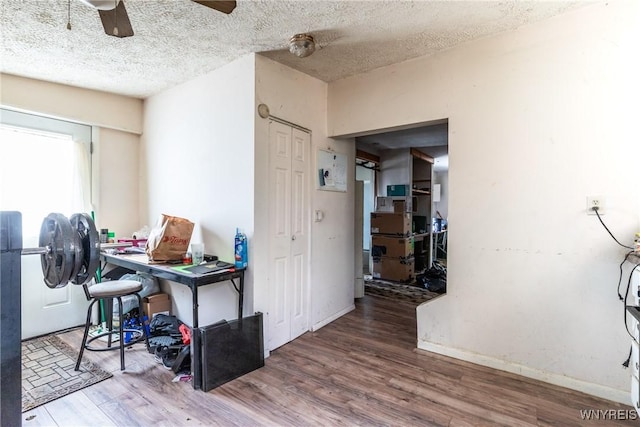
(127, 332)
(145, 326)
(240, 249)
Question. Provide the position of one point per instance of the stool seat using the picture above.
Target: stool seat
(114, 288)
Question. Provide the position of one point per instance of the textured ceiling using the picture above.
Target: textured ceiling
(177, 40)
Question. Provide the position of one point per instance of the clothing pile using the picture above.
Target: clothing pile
(170, 342)
(434, 279)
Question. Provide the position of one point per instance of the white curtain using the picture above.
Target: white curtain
(81, 186)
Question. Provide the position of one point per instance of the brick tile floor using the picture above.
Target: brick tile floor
(48, 370)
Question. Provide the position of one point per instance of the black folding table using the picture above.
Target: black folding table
(140, 263)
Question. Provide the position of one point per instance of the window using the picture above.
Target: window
(44, 167)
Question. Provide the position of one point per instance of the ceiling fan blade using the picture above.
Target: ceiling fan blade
(116, 18)
(100, 4)
(221, 6)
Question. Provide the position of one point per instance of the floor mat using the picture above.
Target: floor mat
(398, 291)
(47, 371)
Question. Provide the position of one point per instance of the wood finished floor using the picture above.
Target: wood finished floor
(362, 369)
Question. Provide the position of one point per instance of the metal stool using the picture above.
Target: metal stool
(107, 292)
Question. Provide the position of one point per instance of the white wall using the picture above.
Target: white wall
(199, 164)
(395, 169)
(72, 103)
(301, 99)
(118, 193)
(539, 118)
(117, 123)
(205, 158)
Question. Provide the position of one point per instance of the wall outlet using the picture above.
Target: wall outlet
(595, 202)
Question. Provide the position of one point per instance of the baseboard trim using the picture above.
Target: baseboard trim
(600, 391)
(330, 319)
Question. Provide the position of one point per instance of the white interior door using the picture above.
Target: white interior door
(289, 161)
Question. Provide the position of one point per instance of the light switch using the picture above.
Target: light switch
(319, 215)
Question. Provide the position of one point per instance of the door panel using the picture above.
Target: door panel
(297, 204)
(297, 307)
(299, 324)
(289, 213)
(282, 208)
(300, 245)
(280, 284)
(279, 239)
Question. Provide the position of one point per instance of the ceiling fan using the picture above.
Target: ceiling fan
(115, 19)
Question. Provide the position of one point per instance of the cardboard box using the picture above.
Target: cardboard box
(398, 190)
(393, 269)
(394, 204)
(384, 204)
(389, 246)
(156, 304)
(395, 224)
(404, 204)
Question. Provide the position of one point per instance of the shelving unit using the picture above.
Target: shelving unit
(420, 192)
(421, 179)
(412, 170)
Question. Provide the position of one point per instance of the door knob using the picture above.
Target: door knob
(293, 237)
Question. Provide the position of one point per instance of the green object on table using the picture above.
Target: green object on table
(182, 267)
(98, 277)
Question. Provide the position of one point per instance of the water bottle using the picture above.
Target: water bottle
(240, 249)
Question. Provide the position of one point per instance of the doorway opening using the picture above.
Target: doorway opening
(367, 166)
(411, 176)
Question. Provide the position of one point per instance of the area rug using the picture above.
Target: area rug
(48, 371)
(397, 291)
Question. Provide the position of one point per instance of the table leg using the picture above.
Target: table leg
(241, 296)
(196, 365)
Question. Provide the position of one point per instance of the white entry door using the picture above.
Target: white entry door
(289, 161)
(52, 154)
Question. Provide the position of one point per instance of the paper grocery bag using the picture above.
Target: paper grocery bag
(169, 239)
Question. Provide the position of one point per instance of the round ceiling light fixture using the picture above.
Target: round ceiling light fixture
(302, 45)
